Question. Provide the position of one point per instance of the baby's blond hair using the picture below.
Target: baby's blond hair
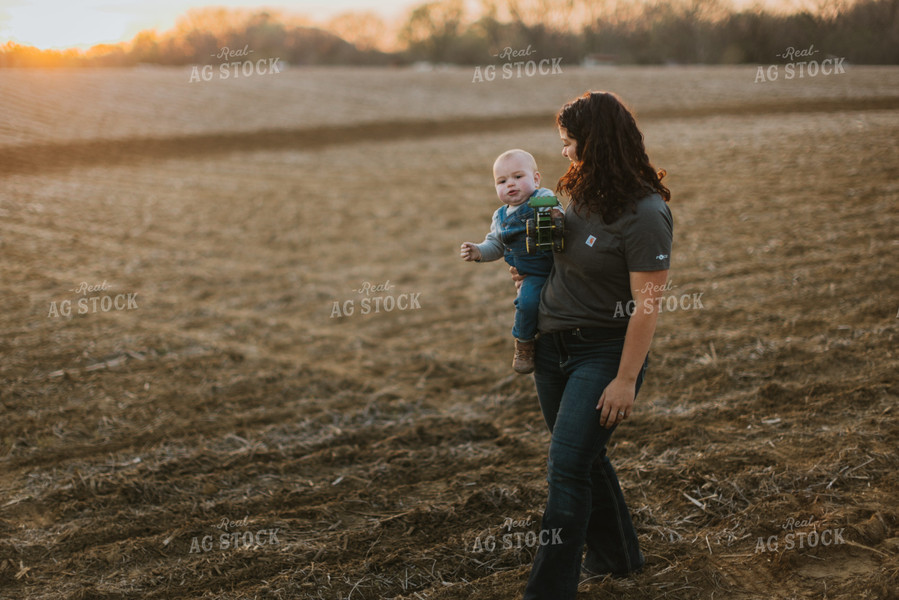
(517, 152)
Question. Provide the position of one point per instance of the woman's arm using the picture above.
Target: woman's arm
(618, 397)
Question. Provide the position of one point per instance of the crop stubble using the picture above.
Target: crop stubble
(382, 446)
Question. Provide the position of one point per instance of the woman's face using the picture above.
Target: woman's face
(569, 146)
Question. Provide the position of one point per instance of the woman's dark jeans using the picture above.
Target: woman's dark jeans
(585, 503)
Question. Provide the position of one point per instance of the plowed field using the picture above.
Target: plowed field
(241, 358)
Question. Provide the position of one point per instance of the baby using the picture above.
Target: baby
(517, 180)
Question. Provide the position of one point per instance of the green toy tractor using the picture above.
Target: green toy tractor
(545, 230)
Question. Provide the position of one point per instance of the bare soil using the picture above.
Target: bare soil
(253, 386)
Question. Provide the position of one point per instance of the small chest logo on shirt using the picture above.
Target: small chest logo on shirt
(591, 240)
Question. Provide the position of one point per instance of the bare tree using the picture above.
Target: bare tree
(365, 30)
(432, 28)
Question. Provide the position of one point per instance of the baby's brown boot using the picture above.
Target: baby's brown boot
(524, 357)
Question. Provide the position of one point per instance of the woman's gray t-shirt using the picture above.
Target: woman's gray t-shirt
(590, 280)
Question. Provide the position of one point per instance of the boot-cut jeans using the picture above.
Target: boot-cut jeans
(585, 504)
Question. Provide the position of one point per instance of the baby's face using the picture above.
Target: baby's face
(515, 179)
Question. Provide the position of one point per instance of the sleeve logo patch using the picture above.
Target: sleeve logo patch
(661, 257)
(591, 240)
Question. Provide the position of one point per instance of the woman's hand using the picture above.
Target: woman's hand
(518, 279)
(617, 399)
(616, 402)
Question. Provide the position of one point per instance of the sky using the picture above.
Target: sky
(59, 24)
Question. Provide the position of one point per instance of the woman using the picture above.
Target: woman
(596, 321)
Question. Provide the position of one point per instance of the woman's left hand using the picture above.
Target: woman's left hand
(616, 402)
(617, 399)
(516, 277)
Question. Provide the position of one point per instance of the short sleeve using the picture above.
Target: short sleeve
(647, 236)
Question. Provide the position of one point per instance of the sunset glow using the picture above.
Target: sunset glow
(54, 24)
(60, 24)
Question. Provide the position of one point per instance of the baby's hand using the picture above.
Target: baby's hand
(470, 252)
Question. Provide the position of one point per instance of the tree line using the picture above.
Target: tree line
(444, 31)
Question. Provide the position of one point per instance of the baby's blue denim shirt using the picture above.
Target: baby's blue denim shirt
(507, 238)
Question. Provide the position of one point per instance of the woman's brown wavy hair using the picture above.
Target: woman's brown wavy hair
(612, 171)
